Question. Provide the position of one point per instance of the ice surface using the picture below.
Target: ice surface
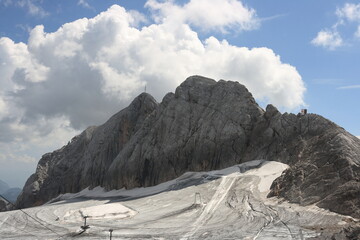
(103, 211)
(193, 177)
(226, 204)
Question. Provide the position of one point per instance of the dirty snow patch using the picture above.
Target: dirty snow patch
(103, 211)
(267, 173)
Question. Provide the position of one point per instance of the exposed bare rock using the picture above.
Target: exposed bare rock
(325, 167)
(351, 232)
(4, 205)
(84, 161)
(206, 125)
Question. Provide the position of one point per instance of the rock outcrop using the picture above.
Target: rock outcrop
(324, 160)
(4, 205)
(205, 125)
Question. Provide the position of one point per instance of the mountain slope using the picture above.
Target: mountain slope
(84, 161)
(205, 125)
(225, 204)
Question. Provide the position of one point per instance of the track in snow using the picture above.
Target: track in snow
(233, 206)
(209, 209)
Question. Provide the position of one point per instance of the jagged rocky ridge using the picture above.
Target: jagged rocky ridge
(205, 125)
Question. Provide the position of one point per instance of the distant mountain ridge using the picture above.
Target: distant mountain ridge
(205, 125)
(11, 194)
(4, 190)
(3, 186)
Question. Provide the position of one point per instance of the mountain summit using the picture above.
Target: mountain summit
(205, 125)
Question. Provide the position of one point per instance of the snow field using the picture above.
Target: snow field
(233, 206)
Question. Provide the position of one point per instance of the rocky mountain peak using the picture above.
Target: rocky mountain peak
(205, 125)
(143, 103)
(194, 89)
(202, 90)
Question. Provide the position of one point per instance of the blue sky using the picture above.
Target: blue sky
(91, 58)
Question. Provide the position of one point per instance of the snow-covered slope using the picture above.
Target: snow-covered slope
(225, 204)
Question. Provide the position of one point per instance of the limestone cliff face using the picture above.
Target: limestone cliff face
(85, 160)
(205, 125)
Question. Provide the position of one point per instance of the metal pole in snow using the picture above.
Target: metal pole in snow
(85, 217)
(85, 227)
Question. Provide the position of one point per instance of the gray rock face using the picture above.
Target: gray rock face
(4, 206)
(85, 160)
(325, 164)
(205, 125)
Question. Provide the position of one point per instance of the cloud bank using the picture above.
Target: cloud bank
(61, 82)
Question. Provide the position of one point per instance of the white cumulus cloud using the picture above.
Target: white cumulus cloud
(347, 15)
(89, 68)
(61, 82)
(220, 15)
(328, 39)
(349, 12)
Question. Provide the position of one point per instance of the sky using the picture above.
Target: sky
(66, 65)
